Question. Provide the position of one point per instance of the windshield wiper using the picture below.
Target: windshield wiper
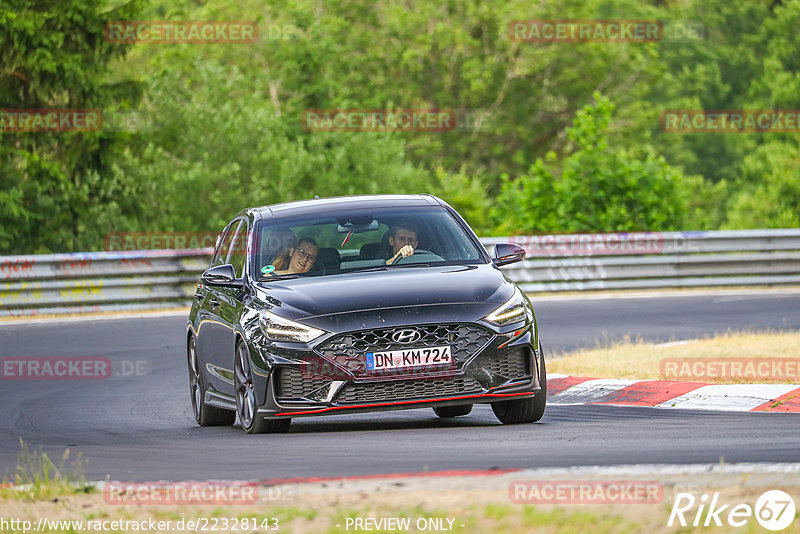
(410, 265)
(364, 269)
(277, 277)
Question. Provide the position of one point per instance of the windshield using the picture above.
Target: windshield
(381, 239)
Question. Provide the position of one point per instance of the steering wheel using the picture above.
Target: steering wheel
(420, 256)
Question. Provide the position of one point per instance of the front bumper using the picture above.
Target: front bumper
(495, 367)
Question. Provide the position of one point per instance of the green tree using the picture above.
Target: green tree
(220, 126)
(771, 196)
(466, 193)
(447, 55)
(211, 145)
(595, 189)
(53, 185)
(767, 193)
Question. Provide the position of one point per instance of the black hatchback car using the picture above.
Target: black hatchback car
(354, 304)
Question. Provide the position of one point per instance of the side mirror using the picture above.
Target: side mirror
(221, 275)
(505, 253)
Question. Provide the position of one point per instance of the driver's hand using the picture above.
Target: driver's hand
(405, 251)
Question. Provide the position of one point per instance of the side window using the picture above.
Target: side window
(221, 254)
(238, 250)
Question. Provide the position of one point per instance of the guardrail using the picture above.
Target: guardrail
(99, 281)
(649, 260)
(131, 280)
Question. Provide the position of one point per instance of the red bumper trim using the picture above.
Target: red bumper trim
(420, 401)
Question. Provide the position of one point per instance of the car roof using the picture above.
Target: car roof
(317, 205)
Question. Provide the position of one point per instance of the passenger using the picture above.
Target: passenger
(278, 242)
(403, 240)
(297, 260)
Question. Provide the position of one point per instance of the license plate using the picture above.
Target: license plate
(409, 358)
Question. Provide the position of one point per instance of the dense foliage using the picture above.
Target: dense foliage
(55, 187)
(568, 137)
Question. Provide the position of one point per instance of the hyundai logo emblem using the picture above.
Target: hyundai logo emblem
(406, 336)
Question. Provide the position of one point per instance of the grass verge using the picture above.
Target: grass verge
(464, 505)
(38, 478)
(638, 359)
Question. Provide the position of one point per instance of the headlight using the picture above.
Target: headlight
(279, 328)
(511, 311)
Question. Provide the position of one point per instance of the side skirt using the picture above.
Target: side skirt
(220, 400)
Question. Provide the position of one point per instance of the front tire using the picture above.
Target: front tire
(452, 411)
(246, 407)
(528, 410)
(204, 415)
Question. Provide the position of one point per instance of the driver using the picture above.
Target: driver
(403, 240)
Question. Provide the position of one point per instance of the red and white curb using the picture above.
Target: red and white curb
(563, 389)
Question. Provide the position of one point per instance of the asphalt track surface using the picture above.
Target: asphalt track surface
(139, 427)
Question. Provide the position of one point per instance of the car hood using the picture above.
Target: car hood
(469, 292)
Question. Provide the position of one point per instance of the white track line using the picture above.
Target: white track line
(590, 391)
(729, 397)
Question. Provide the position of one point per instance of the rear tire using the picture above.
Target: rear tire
(246, 408)
(204, 415)
(452, 411)
(528, 410)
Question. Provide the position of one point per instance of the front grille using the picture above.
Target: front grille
(408, 389)
(348, 350)
(292, 384)
(512, 364)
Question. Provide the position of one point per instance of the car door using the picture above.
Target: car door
(208, 321)
(227, 309)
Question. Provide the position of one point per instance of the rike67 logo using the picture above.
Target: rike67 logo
(774, 510)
